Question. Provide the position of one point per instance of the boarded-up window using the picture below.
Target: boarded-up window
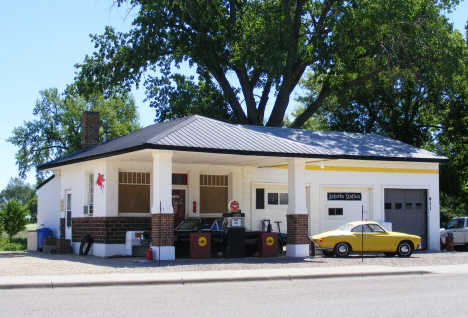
(213, 194)
(260, 199)
(134, 192)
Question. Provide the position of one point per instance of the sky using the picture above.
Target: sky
(43, 40)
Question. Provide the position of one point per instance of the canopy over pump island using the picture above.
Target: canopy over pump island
(302, 182)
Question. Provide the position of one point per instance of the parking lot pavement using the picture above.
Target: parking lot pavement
(39, 270)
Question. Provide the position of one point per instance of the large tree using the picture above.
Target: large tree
(17, 189)
(256, 49)
(56, 131)
(422, 106)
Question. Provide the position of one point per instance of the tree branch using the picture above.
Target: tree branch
(312, 108)
(220, 77)
(264, 100)
(247, 90)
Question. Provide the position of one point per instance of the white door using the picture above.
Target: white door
(68, 215)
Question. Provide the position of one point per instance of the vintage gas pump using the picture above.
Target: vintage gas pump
(234, 232)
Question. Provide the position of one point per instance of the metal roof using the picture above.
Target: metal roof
(352, 144)
(200, 134)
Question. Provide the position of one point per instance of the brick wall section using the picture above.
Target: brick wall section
(62, 228)
(108, 230)
(162, 226)
(63, 246)
(89, 130)
(298, 228)
(49, 241)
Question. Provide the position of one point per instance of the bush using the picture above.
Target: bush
(451, 207)
(18, 244)
(13, 218)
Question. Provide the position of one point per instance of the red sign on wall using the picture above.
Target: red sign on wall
(233, 206)
(100, 181)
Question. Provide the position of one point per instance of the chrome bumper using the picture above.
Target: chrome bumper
(318, 248)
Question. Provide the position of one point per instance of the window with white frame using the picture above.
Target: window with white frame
(277, 198)
(134, 192)
(214, 191)
(335, 211)
(89, 188)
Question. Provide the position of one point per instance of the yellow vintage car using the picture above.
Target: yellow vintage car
(349, 238)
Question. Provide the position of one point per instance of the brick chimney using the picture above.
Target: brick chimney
(89, 130)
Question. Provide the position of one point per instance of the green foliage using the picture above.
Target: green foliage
(32, 208)
(13, 218)
(420, 107)
(17, 189)
(22, 192)
(179, 96)
(18, 244)
(251, 50)
(399, 106)
(450, 207)
(56, 131)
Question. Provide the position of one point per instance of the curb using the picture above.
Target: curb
(182, 281)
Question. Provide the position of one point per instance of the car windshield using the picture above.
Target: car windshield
(455, 224)
(368, 228)
(346, 227)
(188, 225)
(217, 225)
(206, 225)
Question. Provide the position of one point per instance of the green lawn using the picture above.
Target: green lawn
(22, 234)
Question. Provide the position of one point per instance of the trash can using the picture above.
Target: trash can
(32, 241)
(200, 245)
(449, 244)
(42, 233)
(268, 244)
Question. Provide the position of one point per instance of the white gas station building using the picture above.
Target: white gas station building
(305, 182)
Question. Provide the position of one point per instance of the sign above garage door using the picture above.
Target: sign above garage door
(343, 196)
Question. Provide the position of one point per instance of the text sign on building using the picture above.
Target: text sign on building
(344, 196)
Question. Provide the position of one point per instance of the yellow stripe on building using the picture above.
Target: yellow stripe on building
(365, 169)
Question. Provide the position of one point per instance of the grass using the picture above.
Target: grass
(19, 240)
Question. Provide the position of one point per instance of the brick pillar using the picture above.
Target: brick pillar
(162, 212)
(297, 216)
(63, 246)
(162, 233)
(62, 228)
(89, 130)
(162, 229)
(298, 225)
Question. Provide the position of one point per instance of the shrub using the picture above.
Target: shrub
(16, 245)
(13, 218)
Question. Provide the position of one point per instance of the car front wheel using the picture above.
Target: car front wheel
(327, 253)
(342, 250)
(405, 249)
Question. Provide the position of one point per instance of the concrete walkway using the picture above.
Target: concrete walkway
(181, 278)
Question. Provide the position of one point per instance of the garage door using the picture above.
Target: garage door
(407, 211)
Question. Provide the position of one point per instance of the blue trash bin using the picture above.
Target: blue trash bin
(41, 234)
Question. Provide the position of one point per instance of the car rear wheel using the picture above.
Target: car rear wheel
(405, 249)
(342, 249)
